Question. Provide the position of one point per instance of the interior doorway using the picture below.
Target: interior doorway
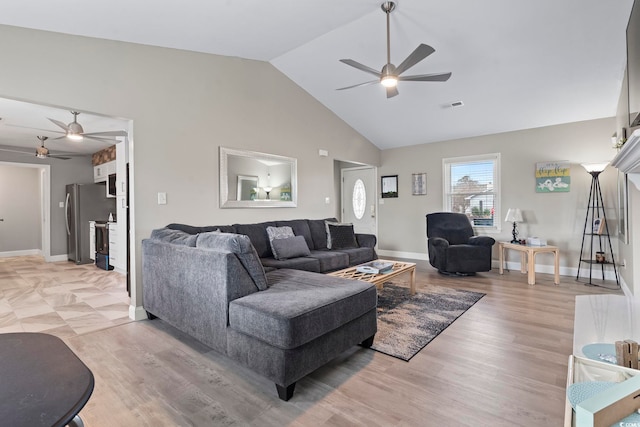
(25, 216)
(358, 196)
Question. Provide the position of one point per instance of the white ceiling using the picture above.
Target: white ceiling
(515, 64)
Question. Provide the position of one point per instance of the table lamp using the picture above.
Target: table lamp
(514, 215)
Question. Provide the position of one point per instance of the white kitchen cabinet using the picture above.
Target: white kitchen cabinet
(92, 240)
(114, 245)
(101, 172)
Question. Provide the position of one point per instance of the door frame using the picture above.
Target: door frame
(374, 185)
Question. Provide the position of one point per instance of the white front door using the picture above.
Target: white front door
(359, 198)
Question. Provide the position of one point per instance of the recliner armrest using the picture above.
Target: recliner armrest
(438, 242)
(482, 241)
(366, 240)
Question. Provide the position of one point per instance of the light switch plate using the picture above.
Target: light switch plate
(162, 198)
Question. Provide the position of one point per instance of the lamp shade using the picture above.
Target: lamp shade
(594, 167)
(514, 215)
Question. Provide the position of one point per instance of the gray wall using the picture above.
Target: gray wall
(557, 217)
(184, 105)
(20, 208)
(63, 172)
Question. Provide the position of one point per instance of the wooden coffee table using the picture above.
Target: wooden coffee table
(378, 280)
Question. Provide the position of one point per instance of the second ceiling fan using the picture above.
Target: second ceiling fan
(390, 74)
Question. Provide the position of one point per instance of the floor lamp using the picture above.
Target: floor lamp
(595, 208)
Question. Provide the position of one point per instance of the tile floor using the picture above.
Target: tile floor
(59, 298)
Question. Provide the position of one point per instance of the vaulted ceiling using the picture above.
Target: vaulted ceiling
(514, 64)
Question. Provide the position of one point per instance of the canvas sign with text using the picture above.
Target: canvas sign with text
(553, 177)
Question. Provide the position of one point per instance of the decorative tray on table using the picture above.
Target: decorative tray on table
(375, 267)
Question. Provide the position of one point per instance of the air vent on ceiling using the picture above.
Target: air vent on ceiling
(457, 104)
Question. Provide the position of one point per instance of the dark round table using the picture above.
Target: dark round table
(42, 382)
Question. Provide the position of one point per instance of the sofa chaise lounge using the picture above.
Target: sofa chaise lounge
(282, 324)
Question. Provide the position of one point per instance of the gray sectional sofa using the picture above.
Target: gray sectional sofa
(282, 324)
(321, 259)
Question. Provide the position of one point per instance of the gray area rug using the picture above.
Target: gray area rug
(407, 323)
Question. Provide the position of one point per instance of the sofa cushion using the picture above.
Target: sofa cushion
(331, 260)
(290, 247)
(299, 307)
(358, 255)
(278, 233)
(340, 235)
(300, 263)
(300, 227)
(319, 232)
(242, 247)
(258, 235)
(176, 237)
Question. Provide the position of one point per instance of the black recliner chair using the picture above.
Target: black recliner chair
(453, 249)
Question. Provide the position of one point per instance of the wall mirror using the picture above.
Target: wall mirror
(249, 179)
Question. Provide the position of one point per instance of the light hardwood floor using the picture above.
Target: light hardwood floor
(502, 363)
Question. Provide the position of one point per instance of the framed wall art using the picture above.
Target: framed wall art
(553, 177)
(419, 184)
(389, 186)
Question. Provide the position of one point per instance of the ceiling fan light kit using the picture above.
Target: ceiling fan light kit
(390, 74)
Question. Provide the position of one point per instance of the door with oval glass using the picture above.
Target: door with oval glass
(359, 198)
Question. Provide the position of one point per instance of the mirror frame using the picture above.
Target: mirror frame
(258, 203)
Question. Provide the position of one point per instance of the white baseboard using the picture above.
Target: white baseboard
(137, 313)
(564, 271)
(8, 254)
(397, 254)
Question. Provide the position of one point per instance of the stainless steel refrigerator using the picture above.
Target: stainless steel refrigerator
(84, 203)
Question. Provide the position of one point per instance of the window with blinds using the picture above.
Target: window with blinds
(472, 187)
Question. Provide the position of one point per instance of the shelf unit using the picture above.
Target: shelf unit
(596, 242)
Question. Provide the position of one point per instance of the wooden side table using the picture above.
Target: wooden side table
(528, 259)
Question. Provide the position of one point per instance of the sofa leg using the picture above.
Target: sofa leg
(285, 393)
(150, 315)
(368, 342)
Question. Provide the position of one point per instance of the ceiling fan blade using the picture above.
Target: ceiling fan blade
(392, 91)
(440, 77)
(107, 133)
(59, 124)
(421, 52)
(28, 127)
(99, 139)
(360, 84)
(58, 157)
(360, 66)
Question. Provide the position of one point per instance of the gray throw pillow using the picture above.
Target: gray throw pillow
(290, 247)
(240, 245)
(278, 233)
(340, 235)
(176, 237)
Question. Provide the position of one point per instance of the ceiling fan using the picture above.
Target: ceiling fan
(75, 131)
(42, 152)
(390, 74)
